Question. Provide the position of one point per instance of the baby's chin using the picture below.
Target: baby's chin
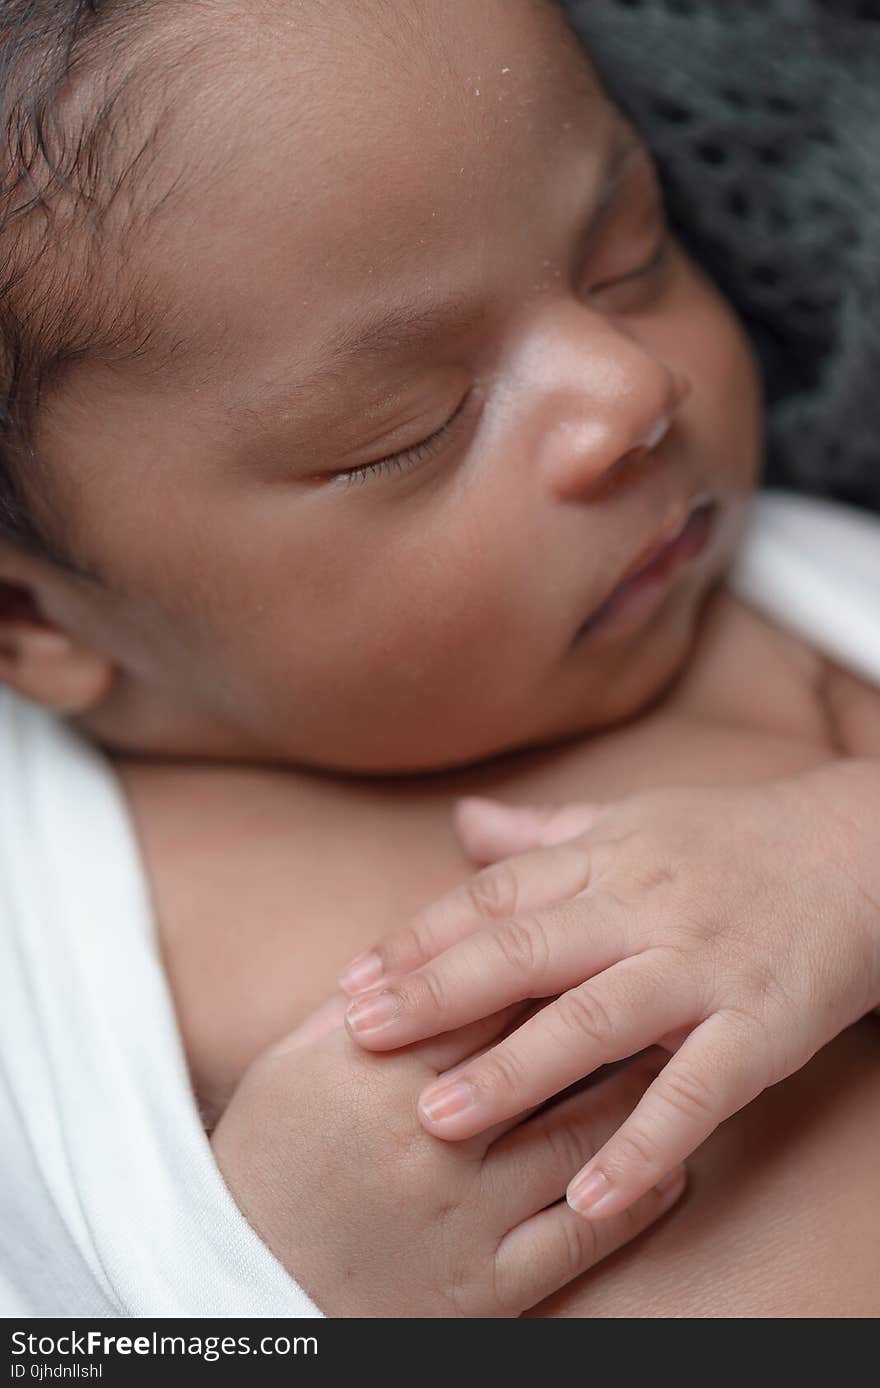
(646, 671)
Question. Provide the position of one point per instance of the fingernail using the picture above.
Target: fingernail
(363, 972)
(371, 1014)
(588, 1194)
(497, 811)
(447, 1101)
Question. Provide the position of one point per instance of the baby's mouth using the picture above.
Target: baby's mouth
(645, 583)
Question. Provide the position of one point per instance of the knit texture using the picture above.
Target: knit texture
(764, 117)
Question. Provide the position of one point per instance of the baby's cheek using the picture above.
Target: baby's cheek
(742, 394)
(440, 643)
(728, 391)
(444, 600)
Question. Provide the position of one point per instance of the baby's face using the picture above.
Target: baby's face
(438, 388)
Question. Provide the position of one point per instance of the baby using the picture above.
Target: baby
(370, 431)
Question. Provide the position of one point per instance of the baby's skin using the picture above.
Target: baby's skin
(388, 375)
(265, 884)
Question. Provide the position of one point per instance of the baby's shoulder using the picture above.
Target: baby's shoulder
(747, 671)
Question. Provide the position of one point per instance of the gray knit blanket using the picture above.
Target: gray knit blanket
(764, 117)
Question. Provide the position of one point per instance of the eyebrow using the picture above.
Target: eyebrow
(406, 325)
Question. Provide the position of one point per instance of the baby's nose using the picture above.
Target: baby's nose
(616, 427)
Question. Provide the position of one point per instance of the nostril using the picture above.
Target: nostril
(619, 472)
(635, 455)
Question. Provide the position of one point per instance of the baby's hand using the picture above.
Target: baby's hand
(725, 924)
(322, 1150)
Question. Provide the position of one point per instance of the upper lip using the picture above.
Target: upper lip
(643, 560)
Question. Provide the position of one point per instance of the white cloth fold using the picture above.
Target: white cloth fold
(110, 1201)
(814, 567)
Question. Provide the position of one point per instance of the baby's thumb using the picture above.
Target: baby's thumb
(490, 829)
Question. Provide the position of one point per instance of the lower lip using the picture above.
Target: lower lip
(635, 600)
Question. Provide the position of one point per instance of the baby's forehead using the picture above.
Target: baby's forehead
(376, 98)
(268, 175)
(312, 89)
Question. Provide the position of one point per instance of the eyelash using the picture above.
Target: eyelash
(409, 457)
(427, 448)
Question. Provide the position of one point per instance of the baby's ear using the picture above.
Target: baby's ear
(37, 657)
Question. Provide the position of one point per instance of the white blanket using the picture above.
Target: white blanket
(110, 1202)
(814, 567)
